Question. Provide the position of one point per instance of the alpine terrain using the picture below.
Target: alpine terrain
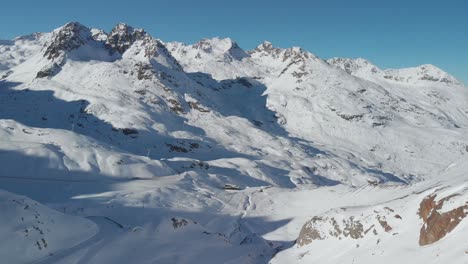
(118, 147)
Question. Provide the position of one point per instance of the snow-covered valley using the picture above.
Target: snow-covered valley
(121, 148)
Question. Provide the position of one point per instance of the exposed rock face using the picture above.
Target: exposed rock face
(177, 223)
(309, 233)
(196, 106)
(296, 54)
(69, 37)
(291, 55)
(439, 217)
(154, 47)
(151, 52)
(123, 36)
(313, 229)
(144, 71)
(204, 45)
(340, 227)
(438, 224)
(430, 72)
(294, 61)
(49, 70)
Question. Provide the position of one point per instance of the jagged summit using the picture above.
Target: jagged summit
(69, 37)
(211, 55)
(76, 42)
(265, 47)
(63, 40)
(208, 45)
(150, 51)
(123, 36)
(299, 52)
(74, 35)
(220, 47)
(295, 53)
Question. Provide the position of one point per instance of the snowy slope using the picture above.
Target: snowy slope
(141, 137)
(315, 100)
(31, 231)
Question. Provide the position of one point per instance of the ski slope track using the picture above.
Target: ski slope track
(118, 147)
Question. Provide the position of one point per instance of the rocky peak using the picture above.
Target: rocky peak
(123, 36)
(426, 72)
(352, 66)
(99, 34)
(155, 49)
(204, 44)
(265, 48)
(150, 51)
(432, 73)
(266, 45)
(294, 54)
(221, 47)
(297, 53)
(67, 38)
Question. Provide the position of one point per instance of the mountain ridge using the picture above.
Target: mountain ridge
(222, 43)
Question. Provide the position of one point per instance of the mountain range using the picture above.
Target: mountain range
(119, 147)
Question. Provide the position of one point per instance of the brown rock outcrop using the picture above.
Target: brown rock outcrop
(438, 224)
(337, 227)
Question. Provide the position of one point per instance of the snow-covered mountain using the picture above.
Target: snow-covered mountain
(148, 147)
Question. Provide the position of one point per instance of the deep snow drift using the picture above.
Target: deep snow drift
(137, 150)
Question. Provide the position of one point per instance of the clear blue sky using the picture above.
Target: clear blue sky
(389, 33)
